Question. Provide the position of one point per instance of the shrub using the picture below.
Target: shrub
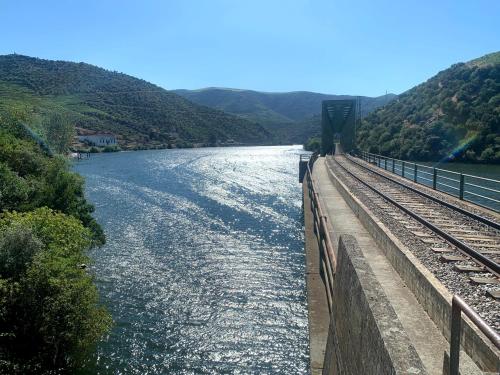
(111, 149)
(50, 316)
(31, 179)
(18, 246)
(313, 144)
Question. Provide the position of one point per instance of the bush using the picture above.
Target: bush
(313, 144)
(111, 149)
(18, 246)
(50, 316)
(31, 179)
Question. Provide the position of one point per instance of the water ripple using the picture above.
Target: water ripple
(203, 271)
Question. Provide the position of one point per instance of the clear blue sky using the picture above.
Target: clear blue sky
(362, 47)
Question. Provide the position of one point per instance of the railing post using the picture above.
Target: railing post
(434, 178)
(456, 322)
(403, 170)
(415, 173)
(462, 183)
(385, 163)
(393, 165)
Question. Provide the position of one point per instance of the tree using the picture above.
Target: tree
(59, 132)
(50, 315)
(18, 246)
(313, 144)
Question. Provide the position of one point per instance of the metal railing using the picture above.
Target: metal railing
(327, 254)
(478, 190)
(457, 307)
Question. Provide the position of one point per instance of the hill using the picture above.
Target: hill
(141, 114)
(454, 115)
(293, 116)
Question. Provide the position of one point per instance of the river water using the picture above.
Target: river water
(203, 271)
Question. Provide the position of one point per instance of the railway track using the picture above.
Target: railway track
(468, 241)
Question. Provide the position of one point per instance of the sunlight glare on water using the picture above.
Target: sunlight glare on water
(203, 270)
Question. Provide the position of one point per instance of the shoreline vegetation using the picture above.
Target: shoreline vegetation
(50, 314)
(106, 149)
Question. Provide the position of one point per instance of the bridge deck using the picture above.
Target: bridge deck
(424, 335)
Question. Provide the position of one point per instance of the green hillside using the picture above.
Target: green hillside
(454, 115)
(141, 114)
(293, 116)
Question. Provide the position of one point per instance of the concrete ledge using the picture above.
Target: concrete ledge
(431, 294)
(365, 335)
(465, 368)
(317, 305)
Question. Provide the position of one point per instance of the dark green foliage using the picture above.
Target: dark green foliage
(59, 132)
(454, 115)
(292, 116)
(49, 312)
(30, 179)
(111, 149)
(50, 316)
(313, 144)
(141, 114)
(18, 246)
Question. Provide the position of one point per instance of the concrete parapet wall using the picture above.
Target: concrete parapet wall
(365, 335)
(431, 294)
(317, 304)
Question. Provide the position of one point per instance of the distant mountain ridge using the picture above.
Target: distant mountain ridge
(141, 114)
(453, 115)
(294, 116)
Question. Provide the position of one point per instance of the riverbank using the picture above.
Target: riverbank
(94, 150)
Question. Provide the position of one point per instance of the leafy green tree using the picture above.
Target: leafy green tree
(313, 144)
(59, 132)
(13, 189)
(30, 179)
(18, 246)
(50, 317)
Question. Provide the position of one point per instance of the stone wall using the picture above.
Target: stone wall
(365, 335)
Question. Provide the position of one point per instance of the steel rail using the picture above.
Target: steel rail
(480, 178)
(483, 187)
(482, 196)
(458, 306)
(472, 215)
(483, 260)
(327, 253)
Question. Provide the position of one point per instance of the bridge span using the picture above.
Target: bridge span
(396, 271)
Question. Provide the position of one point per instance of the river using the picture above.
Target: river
(203, 270)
